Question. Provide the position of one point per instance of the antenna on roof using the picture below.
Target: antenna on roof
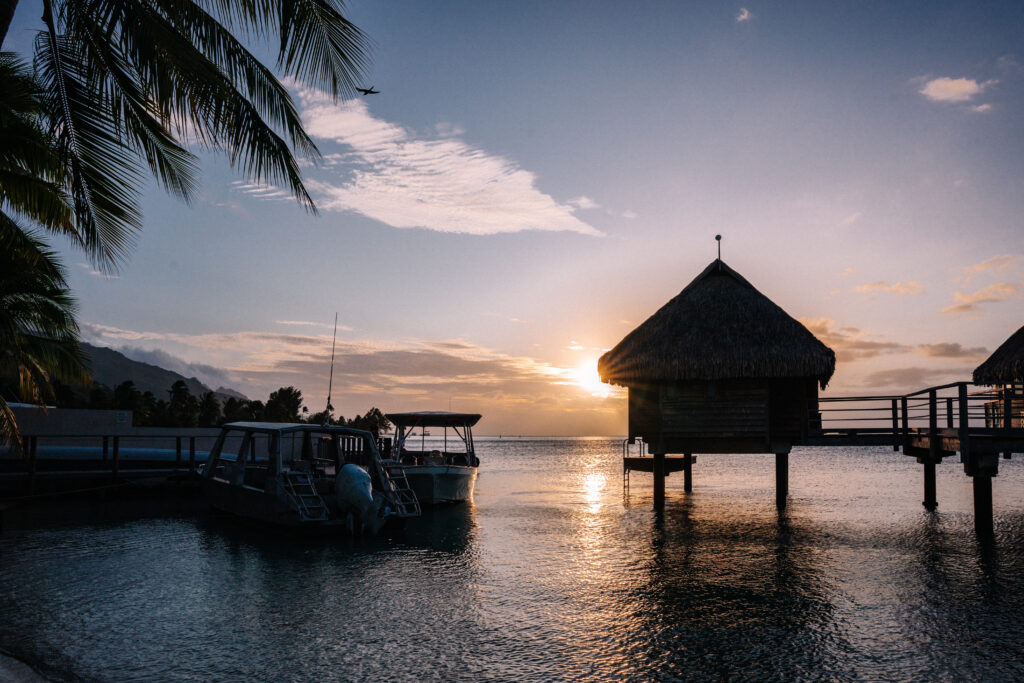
(330, 380)
(718, 238)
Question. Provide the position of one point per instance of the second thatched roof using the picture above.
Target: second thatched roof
(1005, 365)
(718, 327)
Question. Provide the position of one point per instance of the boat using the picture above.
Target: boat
(322, 478)
(437, 475)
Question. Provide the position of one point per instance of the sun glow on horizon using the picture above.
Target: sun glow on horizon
(585, 377)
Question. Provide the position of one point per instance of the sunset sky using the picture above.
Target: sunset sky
(536, 178)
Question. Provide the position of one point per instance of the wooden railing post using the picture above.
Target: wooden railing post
(965, 422)
(192, 454)
(30, 446)
(949, 412)
(177, 450)
(895, 426)
(930, 498)
(117, 455)
(1007, 414)
(905, 419)
(106, 447)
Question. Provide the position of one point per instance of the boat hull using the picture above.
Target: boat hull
(259, 506)
(435, 484)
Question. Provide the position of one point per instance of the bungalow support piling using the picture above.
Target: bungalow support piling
(659, 480)
(983, 505)
(781, 479)
(930, 497)
(688, 472)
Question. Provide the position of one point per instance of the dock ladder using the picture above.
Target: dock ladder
(300, 487)
(397, 485)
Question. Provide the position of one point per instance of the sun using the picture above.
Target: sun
(585, 376)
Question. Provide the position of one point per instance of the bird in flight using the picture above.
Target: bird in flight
(368, 91)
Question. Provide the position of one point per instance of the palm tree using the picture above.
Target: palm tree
(38, 333)
(128, 82)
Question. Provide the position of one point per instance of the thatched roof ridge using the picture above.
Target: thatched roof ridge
(718, 327)
(1005, 365)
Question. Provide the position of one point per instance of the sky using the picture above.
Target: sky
(535, 179)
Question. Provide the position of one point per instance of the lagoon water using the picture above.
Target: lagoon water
(553, 573)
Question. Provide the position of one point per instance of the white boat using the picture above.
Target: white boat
(322, 478)
(437, 475)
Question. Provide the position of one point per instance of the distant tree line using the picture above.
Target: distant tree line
(182, 408)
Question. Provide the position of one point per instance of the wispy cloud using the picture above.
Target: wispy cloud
(951, 350)
(583, 202)
(902, 288)
(970, 303)
(850, 343)
(848, 271)
(909, 379)
(408, 180)
(96, 273)
(981, 108)
(992, 265)
(312, 323)
(851, 219)
(744, 15)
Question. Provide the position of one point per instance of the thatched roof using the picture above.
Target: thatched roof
(718, 327)
(1005, 365)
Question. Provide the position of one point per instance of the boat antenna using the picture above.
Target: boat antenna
(330, 377)
(718, 238)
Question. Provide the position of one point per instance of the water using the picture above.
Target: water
(551, 574)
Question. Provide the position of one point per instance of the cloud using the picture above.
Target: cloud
(848, 271)
(412, 374)
(981, 107)
(406, 180)
(954, 89)
(992, 265)
(850, 343)
(851, 219)
(207, 374)
(969, 303)
(951, 350)
(913, 378)
(582, 202)
(312, 323)
(744, 15)
(903, 289)
(96, 273)
(629, 214)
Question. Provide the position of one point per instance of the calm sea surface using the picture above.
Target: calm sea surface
(552, 573)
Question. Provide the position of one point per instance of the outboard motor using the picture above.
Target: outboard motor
(354, 492)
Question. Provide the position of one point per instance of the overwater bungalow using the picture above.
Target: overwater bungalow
(1005, 369)
(720, 369)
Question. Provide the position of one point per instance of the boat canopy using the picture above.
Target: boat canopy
(433, 418)
(291, 427)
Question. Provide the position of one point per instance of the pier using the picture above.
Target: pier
(980, 424)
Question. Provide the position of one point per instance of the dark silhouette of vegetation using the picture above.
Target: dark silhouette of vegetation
(209, 410)
(284, 405)
(116, 87)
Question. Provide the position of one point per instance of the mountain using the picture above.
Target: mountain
(110, 368)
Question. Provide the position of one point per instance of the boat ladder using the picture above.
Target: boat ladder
(402, 496)
(300, 487)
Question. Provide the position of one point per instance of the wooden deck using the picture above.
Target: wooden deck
(982, 425)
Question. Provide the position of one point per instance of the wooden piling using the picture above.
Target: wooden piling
(983, 506)
(659, 480)
(781, 480)
(930, 499)
(688, 472)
